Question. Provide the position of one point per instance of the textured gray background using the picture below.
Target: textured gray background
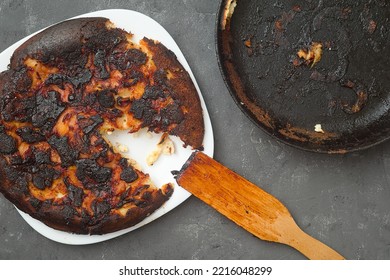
(341, 200)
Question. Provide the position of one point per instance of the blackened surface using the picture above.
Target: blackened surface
(126, 60)
(100, 208)
(30, 135)
(139, 107)
(68, 212)
(81, 78)
(7, 144)
(47, 110)
(106, 98)
(271, 85)
(128, 174)
(88, 124)
(36, 203)
(67, 153)
(100, 63)
(60, 41)
(41, 156)
(171, 114)
(105, 40)
(160, 76)
(153, 92)
(88, 170)
(44, 177)
(75, 194)
(18, 109)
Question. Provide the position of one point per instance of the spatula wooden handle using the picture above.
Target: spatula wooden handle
(247, 205)
(311, 247)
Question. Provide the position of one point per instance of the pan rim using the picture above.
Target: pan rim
(249, 114)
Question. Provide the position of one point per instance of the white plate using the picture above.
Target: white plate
(140, 144)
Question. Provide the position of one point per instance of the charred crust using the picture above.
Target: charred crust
(18, 110)
(75, 194)
(62, 40)
(126, 60)
(79, 53)
(7, 144)
(30, 135)
(153, 92)
(89, 170)
(106, 98)
(128, 174)
(67, 153)
(100, 63)
(41, 156)
(191, 128)
(43, 178)
(47, 110)
(88, 124)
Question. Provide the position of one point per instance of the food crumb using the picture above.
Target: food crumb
(371, 26)
(122, 148)
(313, 55)
(318, 128)
(248, 43)
(165, 146)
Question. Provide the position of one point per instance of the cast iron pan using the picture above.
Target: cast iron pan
(338, 104)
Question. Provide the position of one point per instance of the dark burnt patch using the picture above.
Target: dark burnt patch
(30, 135)
(68, 154)
(171, 114)
(105, 39)
(88, 124)
(141, 203)
(153, 92)
(62, 42)
(7, 144)
(132, 78)
(89, 170)
(100, 208)
(77, 79)
(35, 203)
(142, 109)
(81, 78)
(100, 62)
(125, 60)
(18, 109)
(75, 194)
(41, 156)
(140, 189)
(44, 177)
(56, 79)
(106, 98)
(128, 174)
(68, 212)
(160, 77)
(15, 176)
(16, 80)
(48, 109)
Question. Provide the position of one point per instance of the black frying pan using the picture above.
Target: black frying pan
(340, 103)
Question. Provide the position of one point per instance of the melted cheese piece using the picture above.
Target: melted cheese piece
(164, 146)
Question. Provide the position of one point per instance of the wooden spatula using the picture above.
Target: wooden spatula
(247, 205)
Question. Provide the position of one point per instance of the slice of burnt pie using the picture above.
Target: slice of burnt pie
(65, 88)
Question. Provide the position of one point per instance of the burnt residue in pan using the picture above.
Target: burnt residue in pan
(292, 65)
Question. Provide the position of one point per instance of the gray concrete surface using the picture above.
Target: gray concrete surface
(343, 200)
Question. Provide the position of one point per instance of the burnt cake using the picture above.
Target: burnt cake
(65, 88)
